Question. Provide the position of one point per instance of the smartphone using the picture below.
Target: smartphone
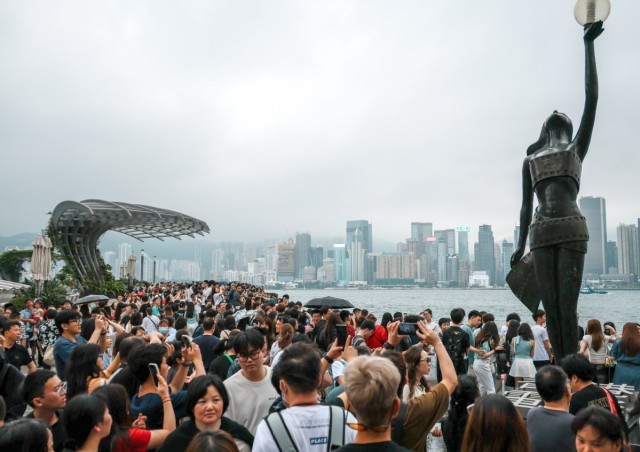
(154, 371)
(341, 331)
(407, 329)
(186, 340)
(607, 330)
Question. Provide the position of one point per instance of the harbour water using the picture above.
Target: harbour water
(619, 306)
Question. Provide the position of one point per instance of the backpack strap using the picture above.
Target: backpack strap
(337, 418)
(396, 430)
(612, 404)
(280, 432)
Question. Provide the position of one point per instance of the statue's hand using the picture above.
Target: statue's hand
(592, 31)
(516, 256)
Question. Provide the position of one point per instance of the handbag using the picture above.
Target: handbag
(48, 358)
(608, 362)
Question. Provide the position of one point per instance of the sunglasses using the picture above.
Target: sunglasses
(374, 428)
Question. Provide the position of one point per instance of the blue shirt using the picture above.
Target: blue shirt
(150, 405)
(62, 351)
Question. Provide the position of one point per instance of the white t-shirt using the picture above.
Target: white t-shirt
(337, 369)
(434, 326)
(249, 401)
(540, 335)
(308, 426)
(596, 356)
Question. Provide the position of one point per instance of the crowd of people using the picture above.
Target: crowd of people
(230, 367)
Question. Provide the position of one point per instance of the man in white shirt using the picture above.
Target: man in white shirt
(251, 393)
(305, 424)
(542, 353)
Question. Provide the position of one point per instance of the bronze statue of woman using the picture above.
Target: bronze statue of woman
(552, 271)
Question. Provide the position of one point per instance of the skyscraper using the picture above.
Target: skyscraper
(507, 251)
(364, 231)
(286, 261)
(463, 243)
(420, 231)
(360, 232)
(594, 209)
(340, 261)
(303, 249)
(485, 256)
(628, 249)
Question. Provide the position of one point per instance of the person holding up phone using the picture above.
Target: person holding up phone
(148, 400)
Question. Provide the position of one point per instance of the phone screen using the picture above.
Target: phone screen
(153, 370)
(186, 340)
(407, 328)
(341, 330)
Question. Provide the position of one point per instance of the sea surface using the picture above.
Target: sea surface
(618, 306)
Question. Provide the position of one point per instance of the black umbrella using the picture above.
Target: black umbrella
(90, 299)
(331, 302)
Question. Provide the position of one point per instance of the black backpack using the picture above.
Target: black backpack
(454, 345)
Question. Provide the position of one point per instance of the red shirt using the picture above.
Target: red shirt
(378, 338)
(137, 441)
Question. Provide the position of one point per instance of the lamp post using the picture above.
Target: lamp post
(590, 11)
(141, 265)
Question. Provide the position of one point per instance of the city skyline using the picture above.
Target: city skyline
(267, 118)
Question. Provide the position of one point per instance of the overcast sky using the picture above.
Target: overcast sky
(264, 118)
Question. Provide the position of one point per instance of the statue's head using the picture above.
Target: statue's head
(558, 125)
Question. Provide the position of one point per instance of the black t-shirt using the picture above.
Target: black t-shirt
(594, 395)
(207, 343)
(17, 355)
(385, 446)
(452, 336)
(57, 431)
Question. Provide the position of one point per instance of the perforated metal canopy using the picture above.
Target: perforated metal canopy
(79, 226)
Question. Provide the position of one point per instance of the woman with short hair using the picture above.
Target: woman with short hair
(206, 402)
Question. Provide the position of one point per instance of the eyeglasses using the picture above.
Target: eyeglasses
(245, 356)
(426, 360)
(61, 389)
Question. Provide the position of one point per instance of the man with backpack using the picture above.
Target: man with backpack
(456, 342)
(305, 425)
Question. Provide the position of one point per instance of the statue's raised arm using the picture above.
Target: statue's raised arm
(583, 136)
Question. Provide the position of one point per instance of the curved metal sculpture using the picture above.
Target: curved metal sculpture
(79, 226)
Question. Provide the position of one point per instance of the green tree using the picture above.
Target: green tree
(11, 264)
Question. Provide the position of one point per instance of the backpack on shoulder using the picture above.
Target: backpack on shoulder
(284, 441)
(454, 346)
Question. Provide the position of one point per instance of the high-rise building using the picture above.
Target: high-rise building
(594, 210)
(303, 249)
(316, 256)
(286, 261)
(463, 242)
(340, 262)
(611, 250)
(500, 272)
(507, 251)
(363, 230)
(485, 255)
(453, 268)
(217, 262)
(420, 231)
(628, 249)
(359, 244)
(446, 245)
(355, 262)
